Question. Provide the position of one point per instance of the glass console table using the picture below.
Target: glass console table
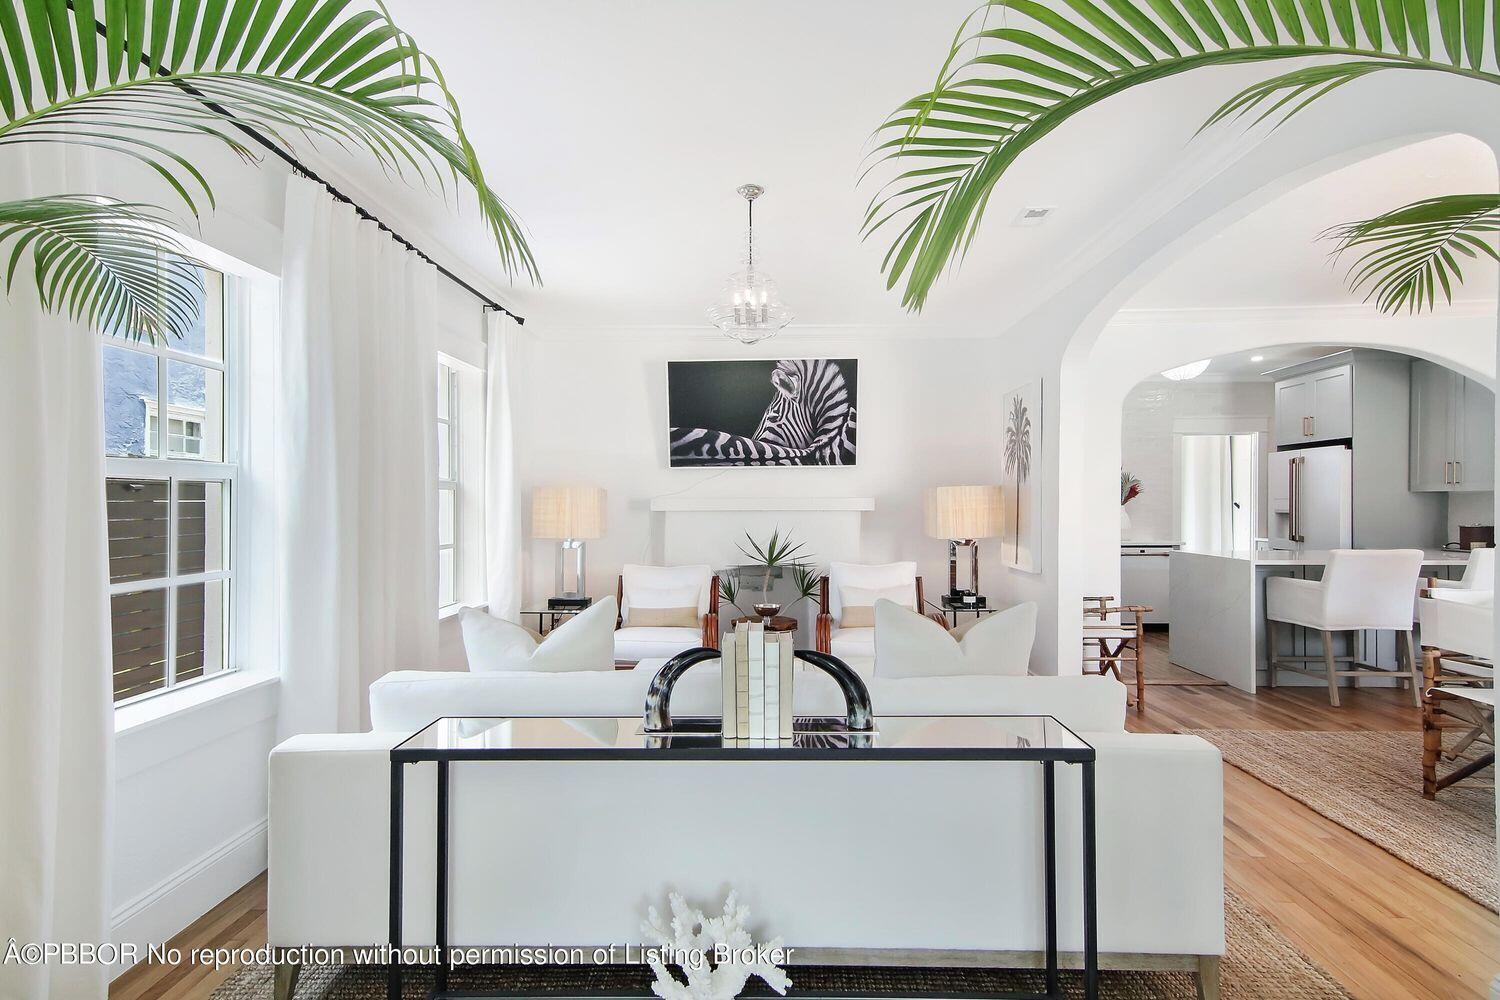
(1038, 740)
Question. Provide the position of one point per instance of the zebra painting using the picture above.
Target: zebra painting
(798, 411)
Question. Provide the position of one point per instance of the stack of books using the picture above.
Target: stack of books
(757, 672)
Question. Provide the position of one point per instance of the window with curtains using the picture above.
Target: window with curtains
(449, 495)
(169, 495)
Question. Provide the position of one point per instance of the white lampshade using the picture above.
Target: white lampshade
(567, 512)
(960, 512)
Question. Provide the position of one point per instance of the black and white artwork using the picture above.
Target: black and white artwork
(797, 411)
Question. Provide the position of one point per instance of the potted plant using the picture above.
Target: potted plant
(768, 562)
(1130, 488)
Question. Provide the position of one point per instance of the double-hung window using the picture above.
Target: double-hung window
(448, 491)
(169, 495)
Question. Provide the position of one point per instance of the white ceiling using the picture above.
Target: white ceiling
(1261, 364)
(619, 131)
(1274, 256)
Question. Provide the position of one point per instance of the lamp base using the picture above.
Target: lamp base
(568, 603)
(961, 600)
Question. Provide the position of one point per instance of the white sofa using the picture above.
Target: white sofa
(933, 856)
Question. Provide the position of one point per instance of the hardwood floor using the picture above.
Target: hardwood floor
(1381, 927)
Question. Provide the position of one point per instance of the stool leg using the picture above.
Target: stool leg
(1432, 748)
(1270, 653)
(1331, 665)
(1417, 681)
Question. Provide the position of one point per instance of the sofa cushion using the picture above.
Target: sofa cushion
(908, 644)
(583, 642)
(656, 642)
(849, 644)
(666, 617)
(871, 577)
(664, 587)
(858, 603)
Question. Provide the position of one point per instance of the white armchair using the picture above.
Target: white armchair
(846, 605)
(665, 610)
(1458, 639)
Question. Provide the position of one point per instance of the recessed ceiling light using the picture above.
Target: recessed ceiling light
(1183, 373)
(1257, 357)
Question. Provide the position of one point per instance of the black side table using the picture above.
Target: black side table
(952, 613)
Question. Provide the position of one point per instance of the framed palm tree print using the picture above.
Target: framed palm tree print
(1021, 463)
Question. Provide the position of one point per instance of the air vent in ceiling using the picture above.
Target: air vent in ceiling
(1034, 215)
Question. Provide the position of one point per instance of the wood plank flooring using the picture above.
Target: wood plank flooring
(1384, 929)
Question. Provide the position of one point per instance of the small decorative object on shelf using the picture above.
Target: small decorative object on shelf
(767, 611)
(1130, 488)
(716, 954)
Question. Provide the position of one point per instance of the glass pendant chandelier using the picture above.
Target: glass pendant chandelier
(749, 309)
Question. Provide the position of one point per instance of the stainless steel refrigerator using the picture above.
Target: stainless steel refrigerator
(1312, 498)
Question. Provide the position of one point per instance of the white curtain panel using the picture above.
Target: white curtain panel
(56, 716)
(356, 462)
(502, 529)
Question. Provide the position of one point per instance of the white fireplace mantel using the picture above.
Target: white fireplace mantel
(685, 503)
(711, 529)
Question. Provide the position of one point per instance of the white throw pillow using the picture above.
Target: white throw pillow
(584, 642)
(908, 644)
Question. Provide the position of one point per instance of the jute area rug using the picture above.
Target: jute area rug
(1260, 964)
(1371, 784)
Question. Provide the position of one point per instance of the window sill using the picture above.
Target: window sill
(151, 711)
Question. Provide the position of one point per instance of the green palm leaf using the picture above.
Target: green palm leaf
(125, 76)
(1404, 257)
(1004, 87)
(110, 264)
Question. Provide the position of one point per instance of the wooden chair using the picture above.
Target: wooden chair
(1466, 696)
(1117, 642)
(1458, 682)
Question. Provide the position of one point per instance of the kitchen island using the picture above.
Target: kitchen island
(1218, 608)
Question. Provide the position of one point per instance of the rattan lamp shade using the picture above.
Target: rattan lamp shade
(963, 512)
(567, 512)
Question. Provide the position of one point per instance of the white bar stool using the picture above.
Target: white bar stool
(1361, 589)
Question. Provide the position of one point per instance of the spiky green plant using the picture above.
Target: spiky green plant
(127, 77)
(1019, 69)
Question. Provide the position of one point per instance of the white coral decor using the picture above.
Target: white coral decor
(726, 956)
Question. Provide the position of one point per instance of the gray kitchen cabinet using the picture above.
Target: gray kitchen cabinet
(1452, 432)
(1293, 407)
(1315, 407)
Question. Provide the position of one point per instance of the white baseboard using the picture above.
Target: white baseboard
(169, 906)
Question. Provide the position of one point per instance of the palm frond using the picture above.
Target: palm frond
(110, 264)
(1406, 256)
(118, 76)
(775, 553)
(1004, 86)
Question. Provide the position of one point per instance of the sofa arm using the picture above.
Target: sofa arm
(1160, 808)
(329, 840)
(711, 630)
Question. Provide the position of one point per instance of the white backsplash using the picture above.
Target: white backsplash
(1469, 508)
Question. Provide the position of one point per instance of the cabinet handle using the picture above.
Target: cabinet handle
(1312, 426)
(1458, 473)
(1447, 473)
(1305, 431)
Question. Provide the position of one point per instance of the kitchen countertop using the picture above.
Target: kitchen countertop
(1319, 557)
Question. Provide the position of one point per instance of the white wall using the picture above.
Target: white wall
(593, 410)
(1151, 414)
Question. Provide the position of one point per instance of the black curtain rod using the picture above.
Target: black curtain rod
(305, 171)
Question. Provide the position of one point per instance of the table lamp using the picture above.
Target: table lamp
(571, 515)
(963, 515)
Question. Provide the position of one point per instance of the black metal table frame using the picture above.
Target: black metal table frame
(542, 614)
(1085, 758)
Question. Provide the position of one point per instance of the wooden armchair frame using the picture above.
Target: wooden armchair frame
(1469, 716)
(710, 623)
(1115, 650)
(823, 634)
